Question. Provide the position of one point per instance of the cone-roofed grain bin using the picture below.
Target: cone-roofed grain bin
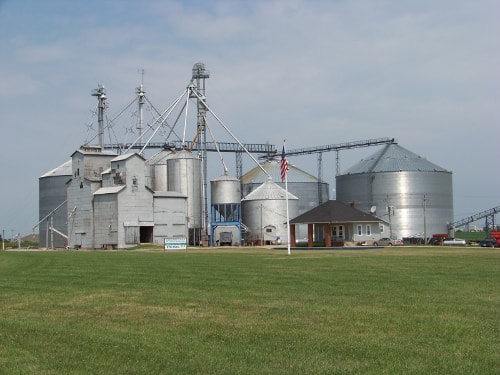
(264, 213)
(409, 192)
(303, 185)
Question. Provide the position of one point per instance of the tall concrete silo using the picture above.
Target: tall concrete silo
(225, 213)
(52, 205)
(413, 195)
(264, 213)
(184, 176)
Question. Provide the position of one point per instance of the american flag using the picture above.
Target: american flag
(284, 165)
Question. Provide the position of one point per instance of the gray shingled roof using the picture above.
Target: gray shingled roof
(334, 212)
(394, 158)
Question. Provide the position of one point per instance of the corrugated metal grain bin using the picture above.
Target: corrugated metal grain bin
(402, 188)
(264, 212)
(184, 176)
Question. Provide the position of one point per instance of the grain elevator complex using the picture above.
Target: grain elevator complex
(118, 195)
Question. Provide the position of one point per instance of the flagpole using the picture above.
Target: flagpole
(286, 195)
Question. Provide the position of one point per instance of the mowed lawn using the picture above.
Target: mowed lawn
(250, 311)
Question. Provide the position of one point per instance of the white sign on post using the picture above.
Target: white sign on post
(175, 243)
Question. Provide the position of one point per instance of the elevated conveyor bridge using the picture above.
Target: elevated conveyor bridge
(489, 215)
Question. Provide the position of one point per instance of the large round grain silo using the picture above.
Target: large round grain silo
(184, 176)
(412, 195)
(52, 206)
(225, 215)
(264, 213)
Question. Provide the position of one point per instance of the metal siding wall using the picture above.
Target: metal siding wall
(169, 218)
(105, 220)
(80, 220)
(135, 202)
(94, 165)
(133, 206)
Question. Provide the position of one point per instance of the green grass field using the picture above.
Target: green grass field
(250, 311)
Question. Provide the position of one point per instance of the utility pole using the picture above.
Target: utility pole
(390, 212)
(51, 232)
(425, 219)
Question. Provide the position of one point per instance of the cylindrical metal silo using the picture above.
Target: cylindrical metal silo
(412, 195)
(308, 189)
(264, 212)
(225, 193)
(52, 205)
(225, 189)
(225, 216)
(158, 170)
(184, 176)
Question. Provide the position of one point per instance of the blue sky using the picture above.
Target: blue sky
(313, 72)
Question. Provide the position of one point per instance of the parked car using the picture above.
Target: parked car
(386, 241)
(488, 242)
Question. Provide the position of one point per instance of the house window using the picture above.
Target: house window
(338, 232)
(368, 230)
(341, 231)
(360, 230)
(381, 228)
(269, 230)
